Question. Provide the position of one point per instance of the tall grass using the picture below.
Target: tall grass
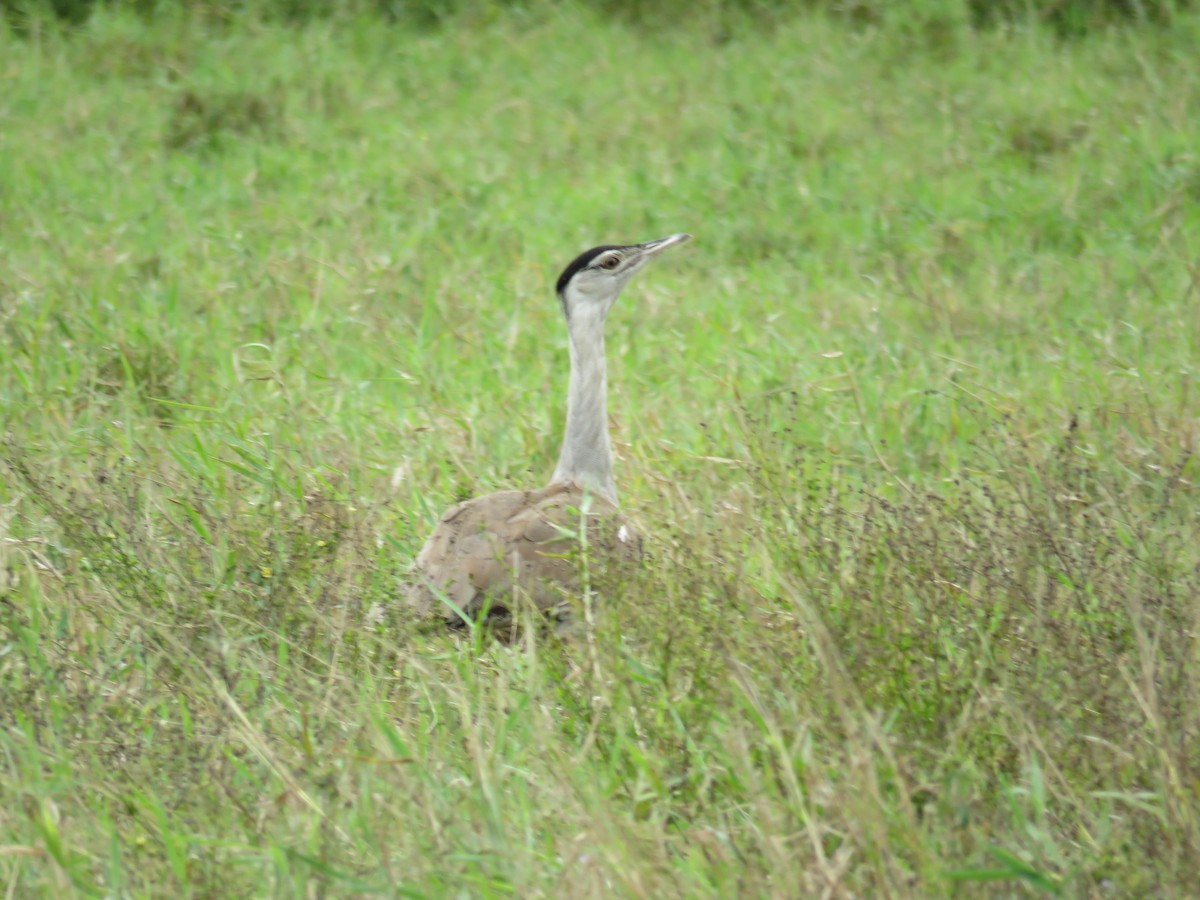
(911, 427)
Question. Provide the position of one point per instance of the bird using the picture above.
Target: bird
(492, 554)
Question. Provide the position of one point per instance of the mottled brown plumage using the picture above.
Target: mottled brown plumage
(512, 548)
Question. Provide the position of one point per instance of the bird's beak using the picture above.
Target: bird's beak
(653, 248)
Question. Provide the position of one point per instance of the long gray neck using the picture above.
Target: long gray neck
(586, 457)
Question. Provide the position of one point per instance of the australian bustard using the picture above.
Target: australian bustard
(509, 547)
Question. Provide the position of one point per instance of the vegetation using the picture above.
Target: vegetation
(911, 425)
(1065, 17)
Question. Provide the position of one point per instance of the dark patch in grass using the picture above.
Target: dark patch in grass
(206, 121)
(1036, 141)
(1076, 18)
(150, 372)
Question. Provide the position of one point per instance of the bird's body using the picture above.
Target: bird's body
(494, 552)
(490, 549)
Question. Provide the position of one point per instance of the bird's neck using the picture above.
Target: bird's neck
(586, 457)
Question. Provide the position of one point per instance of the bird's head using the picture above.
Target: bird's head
(593, 280)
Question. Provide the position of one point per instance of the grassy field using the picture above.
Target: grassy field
(911, 426)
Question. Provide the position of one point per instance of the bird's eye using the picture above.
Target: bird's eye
(611, 263)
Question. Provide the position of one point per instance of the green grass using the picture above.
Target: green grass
(911, 426)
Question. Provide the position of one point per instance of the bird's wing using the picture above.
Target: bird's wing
(487, 547)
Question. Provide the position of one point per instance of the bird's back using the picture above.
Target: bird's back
(515, 547)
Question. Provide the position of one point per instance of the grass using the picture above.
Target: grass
(911, 426)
